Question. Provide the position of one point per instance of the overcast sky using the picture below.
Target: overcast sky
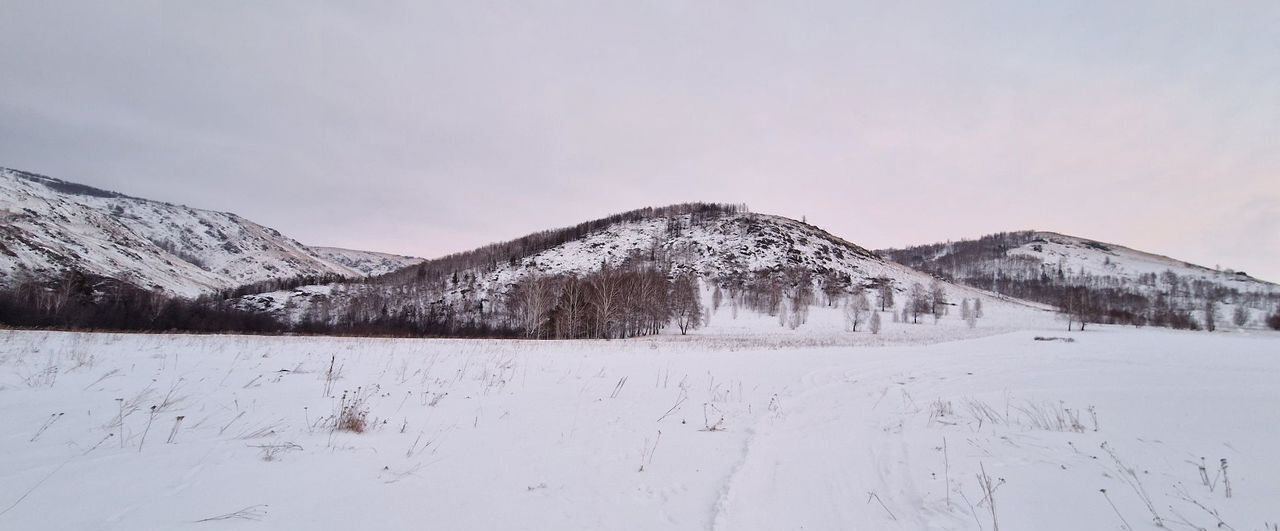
(429, 127)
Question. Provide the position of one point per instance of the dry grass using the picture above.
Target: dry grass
(353, 412)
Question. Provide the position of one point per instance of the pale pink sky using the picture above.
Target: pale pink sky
(425, 128)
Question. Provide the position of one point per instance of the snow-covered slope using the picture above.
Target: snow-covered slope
(727, 249)
(732, 246)
(1037, 264)
(367, 263)
(49, 226)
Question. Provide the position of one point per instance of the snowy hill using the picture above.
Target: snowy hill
(746, 254)
(50, 226)
(1035, 265)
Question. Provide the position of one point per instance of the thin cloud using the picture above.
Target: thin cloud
(429, 128)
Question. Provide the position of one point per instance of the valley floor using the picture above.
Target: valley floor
(1109, 431)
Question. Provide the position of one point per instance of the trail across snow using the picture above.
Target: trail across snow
(654, 434)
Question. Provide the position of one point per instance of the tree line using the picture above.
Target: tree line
(80, 301)
(611, 302)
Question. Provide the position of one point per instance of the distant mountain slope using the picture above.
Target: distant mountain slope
(366, 263)
(49, 226)
(751, 256)
(1127, 285)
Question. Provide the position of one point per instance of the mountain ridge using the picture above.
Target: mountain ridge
(1120, 284)
(52, 226)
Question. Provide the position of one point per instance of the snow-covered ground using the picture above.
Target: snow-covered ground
(703, 432)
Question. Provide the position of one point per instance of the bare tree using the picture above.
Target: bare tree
(530, 302)
(798, 290)
(833, 286)
(886, 294)
(918, 303)
(570, 320)
(1240, 316)
(1076, 304)
(1210, 313)
(855, 310)
(874, 323)
(686, 303)
(937, 299)
(605, 300)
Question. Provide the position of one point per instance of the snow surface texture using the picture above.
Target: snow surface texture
(700, 433)
(50, 226)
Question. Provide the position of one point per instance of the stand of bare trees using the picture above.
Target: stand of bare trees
(605, 304)
(80, 301)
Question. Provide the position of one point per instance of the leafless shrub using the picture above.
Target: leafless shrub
(353, 412)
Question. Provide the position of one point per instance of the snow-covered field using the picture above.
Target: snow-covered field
(1106, 432)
